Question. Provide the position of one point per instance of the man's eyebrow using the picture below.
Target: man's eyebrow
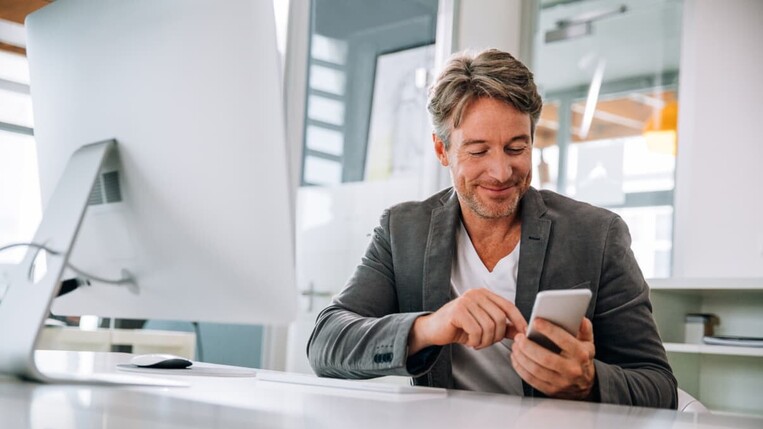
(473, 141)
(520, 137)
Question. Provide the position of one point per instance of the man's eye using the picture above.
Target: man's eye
(515, 150)
(478, 153)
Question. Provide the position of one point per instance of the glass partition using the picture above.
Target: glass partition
(368, 67)
(608, 73)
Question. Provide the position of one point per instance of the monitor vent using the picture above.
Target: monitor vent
(96, 195)
(111, 187)
(106, 189)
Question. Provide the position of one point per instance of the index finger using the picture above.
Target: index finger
(511, 311)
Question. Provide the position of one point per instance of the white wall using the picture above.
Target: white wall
(484, 24)
(718, 228)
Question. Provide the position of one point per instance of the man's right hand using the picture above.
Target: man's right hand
(478, 318)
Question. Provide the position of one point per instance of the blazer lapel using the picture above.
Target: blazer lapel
(535, 235)
(438, 259)
(438, 256)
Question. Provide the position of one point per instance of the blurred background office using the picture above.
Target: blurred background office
(650, 111)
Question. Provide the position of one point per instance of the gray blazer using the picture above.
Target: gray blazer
(565, 244)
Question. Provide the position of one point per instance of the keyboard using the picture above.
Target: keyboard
(110, 379)
(362, 385)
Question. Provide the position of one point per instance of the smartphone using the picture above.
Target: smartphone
(565, 308)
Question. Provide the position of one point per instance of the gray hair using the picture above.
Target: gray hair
(490, 73)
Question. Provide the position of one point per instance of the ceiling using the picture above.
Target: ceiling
(624, 115)
(17, 10)
(642, 41)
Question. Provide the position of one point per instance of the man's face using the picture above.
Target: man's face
(490, 158)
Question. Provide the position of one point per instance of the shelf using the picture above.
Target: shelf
(713, 349)
(703, 284)
(723, 377)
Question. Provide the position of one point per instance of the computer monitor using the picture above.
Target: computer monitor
(201, 218)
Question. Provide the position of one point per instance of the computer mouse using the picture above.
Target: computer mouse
(164, 361)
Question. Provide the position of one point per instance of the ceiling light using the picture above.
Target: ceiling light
(580, 25)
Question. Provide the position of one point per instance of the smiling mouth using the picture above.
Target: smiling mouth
(498, 194)
(498, 190)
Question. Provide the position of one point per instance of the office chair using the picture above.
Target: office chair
(689, 404)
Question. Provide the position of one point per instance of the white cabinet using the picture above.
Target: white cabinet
(101, 340)
(723, 378)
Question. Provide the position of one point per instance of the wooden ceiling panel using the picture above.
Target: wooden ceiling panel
(11, 48)
(17, 10)
(616, 117)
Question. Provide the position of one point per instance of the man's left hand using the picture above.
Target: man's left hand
(567, 375)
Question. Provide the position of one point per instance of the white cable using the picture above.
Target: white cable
(34, 245)
(126, 279)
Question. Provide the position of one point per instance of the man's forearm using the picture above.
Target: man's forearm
(347, 345)
(644, 387)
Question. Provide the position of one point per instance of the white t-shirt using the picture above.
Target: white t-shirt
(489, 369)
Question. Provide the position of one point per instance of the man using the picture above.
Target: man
(446, 286)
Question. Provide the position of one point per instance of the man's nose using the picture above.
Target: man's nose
(499, 168)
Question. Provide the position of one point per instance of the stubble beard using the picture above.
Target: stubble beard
(493, 209)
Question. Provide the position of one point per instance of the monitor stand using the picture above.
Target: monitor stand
(27, 299)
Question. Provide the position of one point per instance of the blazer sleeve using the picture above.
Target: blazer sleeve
(631, 364)
(362, 334)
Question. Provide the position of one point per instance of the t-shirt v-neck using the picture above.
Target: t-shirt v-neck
(469, 272)
(488, 369)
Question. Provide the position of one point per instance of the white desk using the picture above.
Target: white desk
(247, 402)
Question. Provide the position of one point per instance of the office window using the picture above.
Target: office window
(367, 75)
(320, 171)
(326, 109)
(20, 208)
(607, 133)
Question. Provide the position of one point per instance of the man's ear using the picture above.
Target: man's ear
(439, 149)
